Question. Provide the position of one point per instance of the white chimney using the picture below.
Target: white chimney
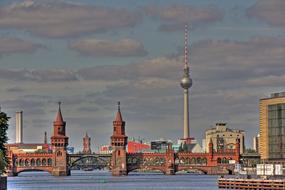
(19, 127)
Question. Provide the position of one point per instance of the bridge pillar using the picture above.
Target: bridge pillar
(119, 142)
(170, 161)
(119, 162)
(59, 167)
(11, 169)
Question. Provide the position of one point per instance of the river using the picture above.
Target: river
(102, 180)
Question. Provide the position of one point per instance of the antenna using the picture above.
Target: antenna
(186, 47)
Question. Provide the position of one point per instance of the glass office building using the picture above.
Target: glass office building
(276, 131)
(272, 127)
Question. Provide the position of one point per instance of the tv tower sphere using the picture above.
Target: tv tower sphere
(186, 81)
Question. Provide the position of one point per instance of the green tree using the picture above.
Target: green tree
(3, 139)
(3, 163)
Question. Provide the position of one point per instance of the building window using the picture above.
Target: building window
(276, 131)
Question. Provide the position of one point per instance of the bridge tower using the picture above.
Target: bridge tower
(170, 161)
(210, 159)
(59, 142)
(119, 142)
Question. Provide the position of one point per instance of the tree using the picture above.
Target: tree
(3, 139)
(3, 163)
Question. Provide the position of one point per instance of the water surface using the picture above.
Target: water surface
(102, 180)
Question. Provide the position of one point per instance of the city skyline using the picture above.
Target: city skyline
(48, 54)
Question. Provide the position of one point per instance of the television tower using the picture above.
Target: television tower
(186, 83)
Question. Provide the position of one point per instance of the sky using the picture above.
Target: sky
(91, 54)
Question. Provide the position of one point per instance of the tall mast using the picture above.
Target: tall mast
(186, 83)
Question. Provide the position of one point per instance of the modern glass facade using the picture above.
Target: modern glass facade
(276, 131)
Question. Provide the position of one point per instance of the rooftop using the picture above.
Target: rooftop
(275, 95)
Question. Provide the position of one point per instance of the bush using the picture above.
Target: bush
(3, 140)
(3, 162)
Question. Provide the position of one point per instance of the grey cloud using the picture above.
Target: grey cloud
(271, 12)
(88, 109)
(15, 89)
(38, 75)
(16, 45)
(107, 48)
(175, 16)
(251, 58)
(59, 19)
(229, 78)
(105, 72)
(22, 103)
(30, 107)
(161, 67)
(211, 60)
(41, 123)
(270, 80)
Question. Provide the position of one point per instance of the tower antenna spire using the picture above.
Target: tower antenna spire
(186, 45)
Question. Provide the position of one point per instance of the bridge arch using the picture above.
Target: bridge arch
(102, 160)
(132, 169)
(203, 170)
(44, 162)
(33, 162)
(32, 170)
(49, 162)
(27, 163)
(38, 162)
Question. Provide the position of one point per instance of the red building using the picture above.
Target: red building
(134, 147)
(86, 144)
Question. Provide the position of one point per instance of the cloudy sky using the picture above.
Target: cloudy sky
(90, 54)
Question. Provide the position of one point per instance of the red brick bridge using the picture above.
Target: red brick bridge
(57, 162)
(214, 162)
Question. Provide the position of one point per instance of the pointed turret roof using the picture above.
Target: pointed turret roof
(59, 118)
(119, 115)
(86, 135)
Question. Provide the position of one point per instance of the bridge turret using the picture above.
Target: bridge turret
(59, 142)
(119, 142)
